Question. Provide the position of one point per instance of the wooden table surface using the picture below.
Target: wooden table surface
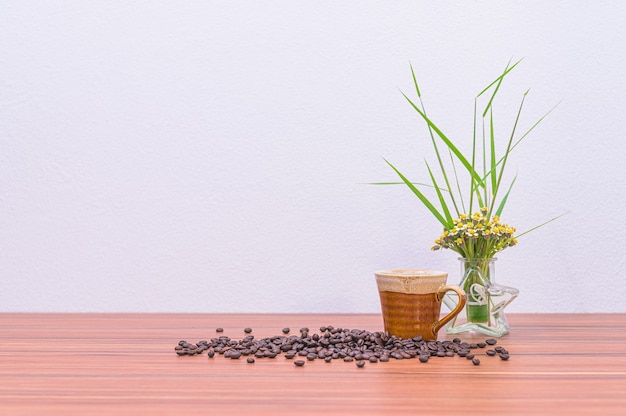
(125, 364)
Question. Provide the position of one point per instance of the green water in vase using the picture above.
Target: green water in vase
(475, 285)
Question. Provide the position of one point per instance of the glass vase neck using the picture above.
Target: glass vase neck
(477, 259)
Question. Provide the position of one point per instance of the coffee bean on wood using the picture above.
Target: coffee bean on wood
(337, 344)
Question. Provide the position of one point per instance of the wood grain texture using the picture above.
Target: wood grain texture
(125, 364)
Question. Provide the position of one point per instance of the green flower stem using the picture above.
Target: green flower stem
(476, 282)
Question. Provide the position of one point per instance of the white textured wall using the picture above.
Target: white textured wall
(212, 156)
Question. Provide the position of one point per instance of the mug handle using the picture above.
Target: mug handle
(454, 312)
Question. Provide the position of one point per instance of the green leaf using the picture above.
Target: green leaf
(499, 82)
(506, 196)
(402, 183)
(493, 151)
(518, 141)
(417, 88)
(541, 225)
(506, 156)
(432, 138)
(420, 195)
(534, 125)
(448, 143)
(442, 201)
(500, 77)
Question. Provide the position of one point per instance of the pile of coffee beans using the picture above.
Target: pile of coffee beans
(332, 343)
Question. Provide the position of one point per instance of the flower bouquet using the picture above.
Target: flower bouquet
(474, 231)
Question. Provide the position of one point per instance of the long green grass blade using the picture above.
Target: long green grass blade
(458, 184)
(522, 138)
(492, 137)
(402, 183)
(486, 189)
(448, 143)
(506, 155)
(541, 225)
(417, 88)
(434, 142)
(507, 70)
(442, 201)
(534, 125)
(499, 82)
(472, 181)
(493, 170)
(506, 197)
(421, 196)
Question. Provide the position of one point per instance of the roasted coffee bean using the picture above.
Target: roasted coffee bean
(298, 363)
(247, 330)
(360, 363)
(250, 360)
(336, 343)
(219, 329)
(476, 361)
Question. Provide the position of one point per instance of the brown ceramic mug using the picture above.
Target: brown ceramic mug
(411, 302)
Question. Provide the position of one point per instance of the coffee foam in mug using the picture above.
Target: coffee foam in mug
(410, 281)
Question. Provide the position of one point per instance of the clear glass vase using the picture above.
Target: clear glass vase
(486, 300)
